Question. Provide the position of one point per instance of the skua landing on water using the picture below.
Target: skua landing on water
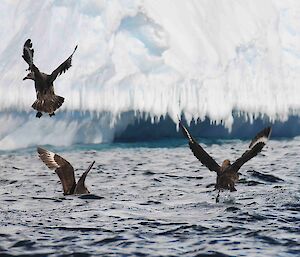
(227, 173)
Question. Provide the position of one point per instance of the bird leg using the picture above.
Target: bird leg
(38, 115)
(51, 114)
(231, 187)
(217, 199)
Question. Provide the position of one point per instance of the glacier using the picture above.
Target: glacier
(215, 60)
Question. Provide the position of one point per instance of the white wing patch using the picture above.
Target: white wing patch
(48, 158)
(263, 139)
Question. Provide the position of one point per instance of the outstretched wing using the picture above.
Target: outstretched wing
(198, 151)
(63, 168)
(62, 68)
(28, 53)
(256, 145)
(80, 187)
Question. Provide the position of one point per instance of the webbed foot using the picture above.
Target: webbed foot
(51, 114)
(38, 115)
(232, 189)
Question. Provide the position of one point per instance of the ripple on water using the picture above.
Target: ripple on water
(151, 202)
(265, 177)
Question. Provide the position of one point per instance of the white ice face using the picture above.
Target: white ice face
(199, 58)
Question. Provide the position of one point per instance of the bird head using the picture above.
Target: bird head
(30, 75)
(225, 164)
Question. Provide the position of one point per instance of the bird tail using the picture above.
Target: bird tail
(48, 104)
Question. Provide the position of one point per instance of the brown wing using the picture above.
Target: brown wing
(28, 53)
(80, 187)
(256, 145)
(28, 57)
(63, 168)
(198, 151)
(62, 68)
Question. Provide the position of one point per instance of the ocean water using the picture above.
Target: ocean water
(232, 66)
(152, 199)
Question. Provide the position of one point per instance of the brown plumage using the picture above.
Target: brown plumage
(227, 173)
(65, 172)
(47, 101)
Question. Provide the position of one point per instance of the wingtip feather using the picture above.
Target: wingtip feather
(185, 132)
(261, 137)
(90, 167)
(74, 50)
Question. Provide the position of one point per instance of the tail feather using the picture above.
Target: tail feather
(48, 104)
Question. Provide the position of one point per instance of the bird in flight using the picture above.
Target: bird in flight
(65, 172)
(47, 101)
(227, 173)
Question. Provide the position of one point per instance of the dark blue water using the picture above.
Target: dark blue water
(152, 199)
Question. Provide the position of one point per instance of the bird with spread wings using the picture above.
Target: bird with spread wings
(65, 172)
(47, 101)
(227, 173)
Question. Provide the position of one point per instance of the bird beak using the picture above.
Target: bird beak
(30, 75)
